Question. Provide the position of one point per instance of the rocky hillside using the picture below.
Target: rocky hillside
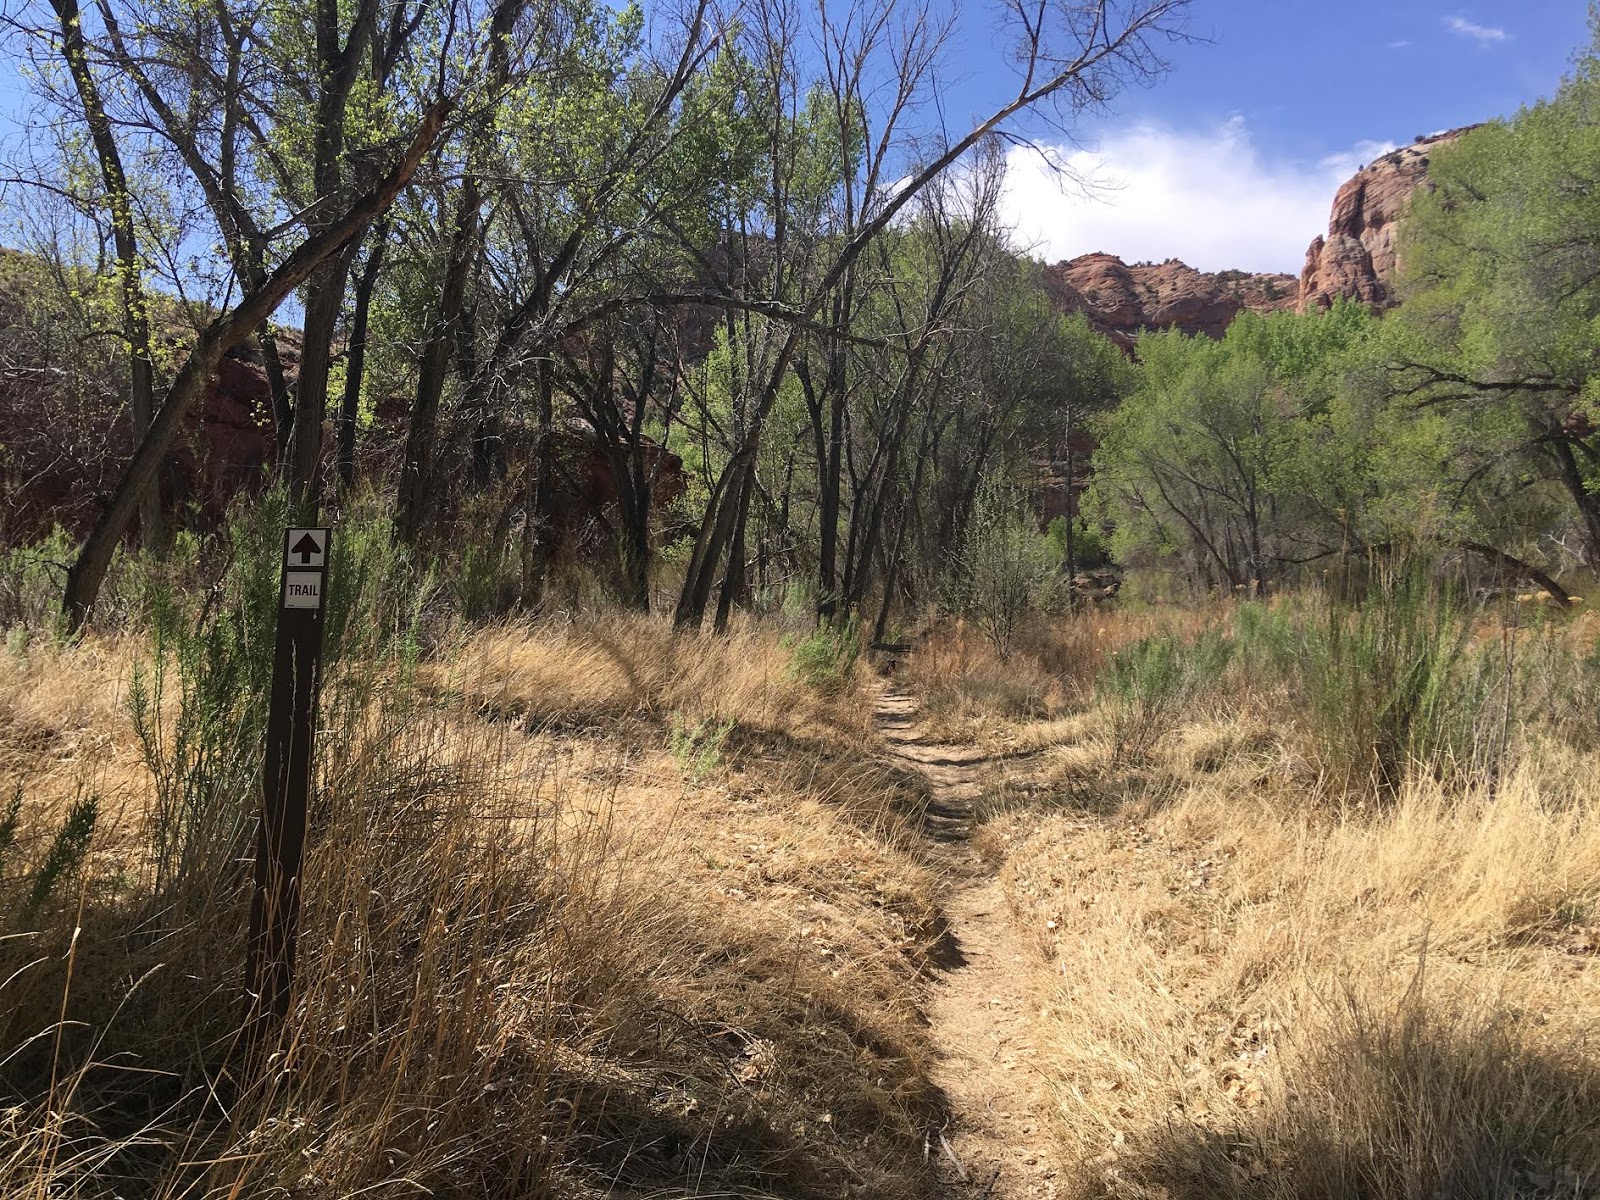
(1122, 299)
(1356, 258)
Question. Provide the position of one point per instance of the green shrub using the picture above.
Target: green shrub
(697, 748)
(68, 849)
(1087, 546)
(199, 699)
(826, 658)
(1385, 686)
(1389, 686)
(31, 580)
(25, 893)
(1148, 683)
(1004, 571)
(8, 826)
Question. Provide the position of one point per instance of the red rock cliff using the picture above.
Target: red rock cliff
(1121, 299)
(1357, 257)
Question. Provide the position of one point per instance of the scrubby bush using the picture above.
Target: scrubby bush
(697, 745)
(826, 657)
(1005, 570)
(1088, 549)
(1149, 683)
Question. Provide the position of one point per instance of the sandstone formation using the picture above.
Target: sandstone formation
(1120, 299)
(1357, 258)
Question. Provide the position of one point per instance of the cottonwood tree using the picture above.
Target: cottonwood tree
(1248, 457)
(592, 156)
(118, 200)
(1501, 292)
(1071, 56)
(299, 246)
(930, 276)
(277, 117)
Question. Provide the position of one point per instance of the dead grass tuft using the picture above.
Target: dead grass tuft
(1254, 996)
(539, 956)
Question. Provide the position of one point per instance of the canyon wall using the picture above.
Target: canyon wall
(1356, 258)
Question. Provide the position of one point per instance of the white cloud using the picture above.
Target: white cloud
(1462, 27)
(1152, 193)
(1400, 45)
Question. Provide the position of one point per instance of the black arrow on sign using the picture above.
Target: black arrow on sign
(305, 548)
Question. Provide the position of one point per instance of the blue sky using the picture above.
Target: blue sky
(1233, 158)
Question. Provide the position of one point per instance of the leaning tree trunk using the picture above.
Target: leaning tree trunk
(733, 580)
(1587, 503)
(716, 528)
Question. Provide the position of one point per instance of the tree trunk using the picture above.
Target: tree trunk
(733, 580)
(716, 528)
(1558, 592)
(356, 364)
(324, 303)
(135, 308)
(1071, 558)
(413, 503)
(1588, 504)
(535, 581)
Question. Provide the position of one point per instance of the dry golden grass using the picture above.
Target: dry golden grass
(970, 692)
(596, 669)
(544, 956)
(1255, 997)
(1249, 987)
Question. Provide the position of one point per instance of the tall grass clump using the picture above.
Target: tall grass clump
(826, 658)
(1398, 683)
(1383, 687)
(1149, 684)
(514, 978)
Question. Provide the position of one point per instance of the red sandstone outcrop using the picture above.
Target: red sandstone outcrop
(1120, 299)
(1356, 258)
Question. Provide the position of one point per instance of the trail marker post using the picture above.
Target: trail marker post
(286, 781)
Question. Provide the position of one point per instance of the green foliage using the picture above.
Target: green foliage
(697, 748)
(1237, 458)
(1087, 545)
(213, 668)
(1149, 683)
(66, 855)
(377, 595)
(1494, 344)
(31, 579)
(485, 581)
(24, 893)
(1382, 688)
(1006, 570)
(8, 825)
(826, 658)
(199, 699)
(1386, 686)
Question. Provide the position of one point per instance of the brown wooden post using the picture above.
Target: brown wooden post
(286, 781)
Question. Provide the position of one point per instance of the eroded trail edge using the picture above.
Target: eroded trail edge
(980, 1027)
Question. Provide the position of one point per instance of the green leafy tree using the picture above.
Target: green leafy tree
(1494, 350)
(1243, 458)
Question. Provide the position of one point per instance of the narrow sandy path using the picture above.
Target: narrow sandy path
(994, 1146)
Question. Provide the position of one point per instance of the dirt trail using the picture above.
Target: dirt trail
(994, 1146)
